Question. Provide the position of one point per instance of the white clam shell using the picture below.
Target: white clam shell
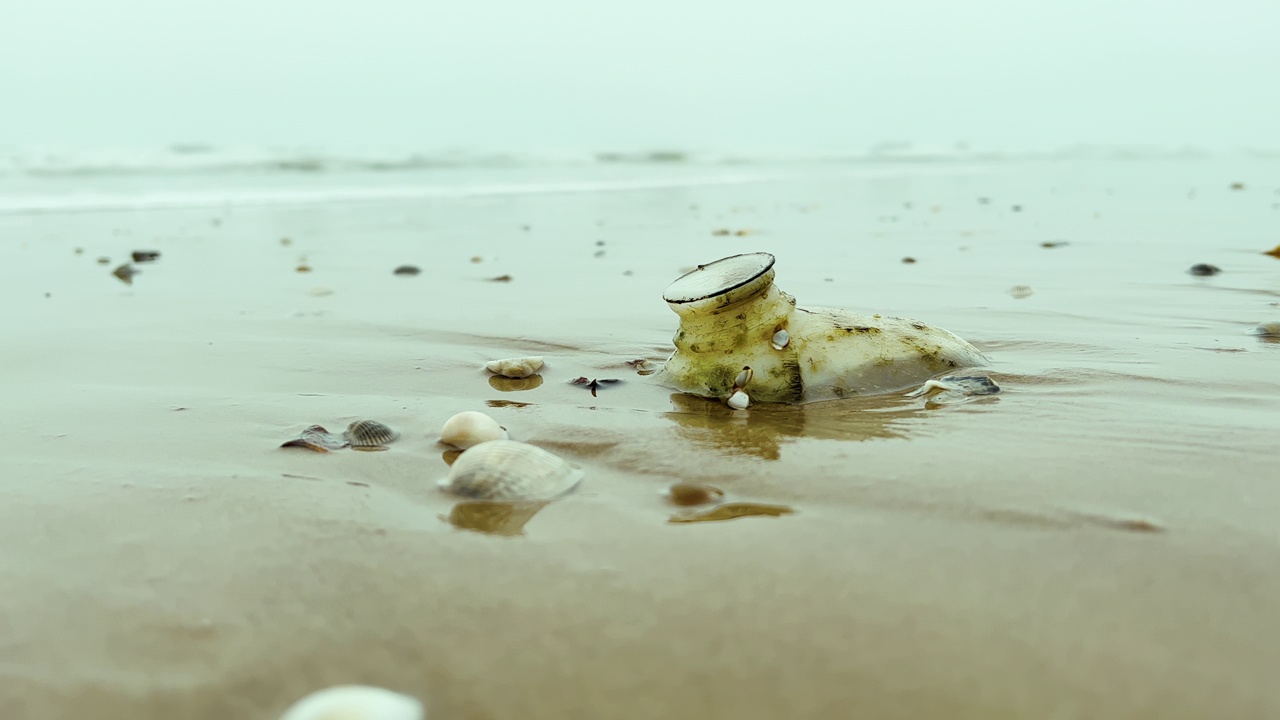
(738, 400)
(780, 340)
(743, 378)
(470, 428)
(507, 470)
(355, 702)
(519, 367)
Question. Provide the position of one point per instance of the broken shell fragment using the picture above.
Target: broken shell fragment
(519, 367)
(508, 470)
(470, 428)
(739, 400)
(955, 388)
(370, 435)
(355, 702)
(780, 340)
(317, 439)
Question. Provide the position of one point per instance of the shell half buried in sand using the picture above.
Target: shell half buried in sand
(507, 470)
(470, 428)
(370, 435)
(355, 702)
(518, 367)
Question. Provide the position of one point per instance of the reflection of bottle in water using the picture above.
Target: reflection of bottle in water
(732, 317)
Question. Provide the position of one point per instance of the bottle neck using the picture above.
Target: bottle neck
(714, 325)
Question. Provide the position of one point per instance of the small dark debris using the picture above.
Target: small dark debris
(1273, 252)
(599, 253)
(79, 251)
(828, 279)
(1237, 186)
(48, 295)
(599, 243)
(407, 270)
(1054, 244)
(1017, 208)
(125, 273)
(303, 268)
(104, 260)
(500, 278)
(142, 256)
(721, 231)
(908, 260)
(593, 385)
(1204, 269)
(628, 273)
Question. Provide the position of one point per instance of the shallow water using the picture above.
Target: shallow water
(1096, 540)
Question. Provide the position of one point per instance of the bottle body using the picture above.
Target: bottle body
(794, 354)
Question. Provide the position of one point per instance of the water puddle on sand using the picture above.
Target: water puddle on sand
(493, 518)
(731, 511)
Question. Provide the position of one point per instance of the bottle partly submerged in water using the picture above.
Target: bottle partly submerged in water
(741, 339)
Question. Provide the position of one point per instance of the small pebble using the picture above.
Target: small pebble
(141, 256)
(908, 260)
(125, 273)
(1204, 269)
(407, 270)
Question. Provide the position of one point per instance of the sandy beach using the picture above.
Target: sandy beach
(1097, 541)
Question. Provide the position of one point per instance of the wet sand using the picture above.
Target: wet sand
(1099, 540)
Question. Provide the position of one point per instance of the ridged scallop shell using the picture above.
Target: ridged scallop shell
(519, 367)
(508, 470)
(355, 702)
(470, 428)
(369, 434)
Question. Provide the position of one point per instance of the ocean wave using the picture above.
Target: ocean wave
(236, 196)
(206, 159)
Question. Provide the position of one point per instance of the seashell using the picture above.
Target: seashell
(739, 400)
(956, 388)
(520, 367)
(507, 470)
(370, 435)
(742, 379)
(318, 439)
(355, 702)
(780, 340)
(470, 428)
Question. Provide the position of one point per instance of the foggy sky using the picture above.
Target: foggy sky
(807, 75)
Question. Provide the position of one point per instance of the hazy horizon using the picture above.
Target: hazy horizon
(819, 76)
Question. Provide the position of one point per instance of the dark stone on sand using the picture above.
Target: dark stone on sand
(1204, 269)
(407, 270)
(141, 256)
